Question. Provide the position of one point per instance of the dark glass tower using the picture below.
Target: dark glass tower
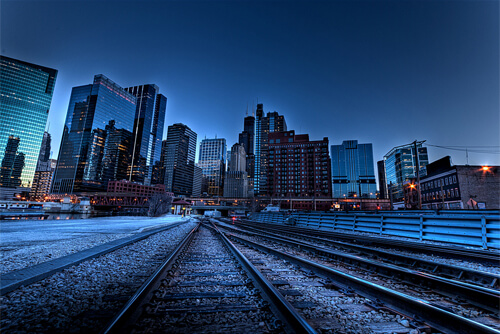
(212, 161)
(96, 145)
(44, 155)
(401, 165)
(353, 173)
(147, 134)
(178, 155)
(26, 93)
(247, 138)
(382, 183)
(12, 164)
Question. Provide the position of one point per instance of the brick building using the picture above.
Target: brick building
(124, 186)
(298, 167)
(448, 186)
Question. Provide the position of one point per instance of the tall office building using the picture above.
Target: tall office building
(272, 122)
(197, 182)
(44, 170)
(44, 154)
(237, 162)
(382, 183)
(228, 160)
(13, 163)
(43, 179)
(236, 181)
(400, 166)
(26, 93)
(178, 155)
(147, 134)
(353, 173)
(97, 141)
(247, 138)
(298, 167)
(212, 160)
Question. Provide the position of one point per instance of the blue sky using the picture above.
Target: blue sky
(384, 72)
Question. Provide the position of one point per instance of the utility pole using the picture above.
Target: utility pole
(417, 168)
(390, 194)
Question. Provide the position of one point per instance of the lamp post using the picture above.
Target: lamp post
(412, 186)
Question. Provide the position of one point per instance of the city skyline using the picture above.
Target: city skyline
(335, 70)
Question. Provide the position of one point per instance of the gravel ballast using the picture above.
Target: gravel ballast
(83, 298)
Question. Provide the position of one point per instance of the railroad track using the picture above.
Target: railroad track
(438, 309)
(84, 296)
(413, 262)
(207, 286)
(458, 252)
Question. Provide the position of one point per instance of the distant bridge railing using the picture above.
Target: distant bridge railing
(471, 228)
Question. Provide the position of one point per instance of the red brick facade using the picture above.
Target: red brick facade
(298, 167)
(135, 188)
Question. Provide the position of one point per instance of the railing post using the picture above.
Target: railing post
(484, 232)
(354, 223)
(381, 224)
(335, 222)
(421, 229)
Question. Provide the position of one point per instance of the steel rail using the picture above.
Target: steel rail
(492, 258)
(126, 315)
(471, 276)
(481, 297)
(413, 307)
(282, 306)
(129, 313)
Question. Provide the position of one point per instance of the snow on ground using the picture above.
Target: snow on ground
(24, 243)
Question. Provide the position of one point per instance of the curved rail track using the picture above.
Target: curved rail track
(425, 298)
(413, 262)
(477, 255)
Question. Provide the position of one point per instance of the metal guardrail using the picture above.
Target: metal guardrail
(480, 229)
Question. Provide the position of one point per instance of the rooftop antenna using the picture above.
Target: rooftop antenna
(247, 110)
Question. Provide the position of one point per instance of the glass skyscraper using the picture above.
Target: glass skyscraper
(400, 166)
(212, 160)
(178, 155)
(353, 173)
(97, 141)
(25, 95)
(148, 132)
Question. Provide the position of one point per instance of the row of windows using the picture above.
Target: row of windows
(441, 182)
(436, 195)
